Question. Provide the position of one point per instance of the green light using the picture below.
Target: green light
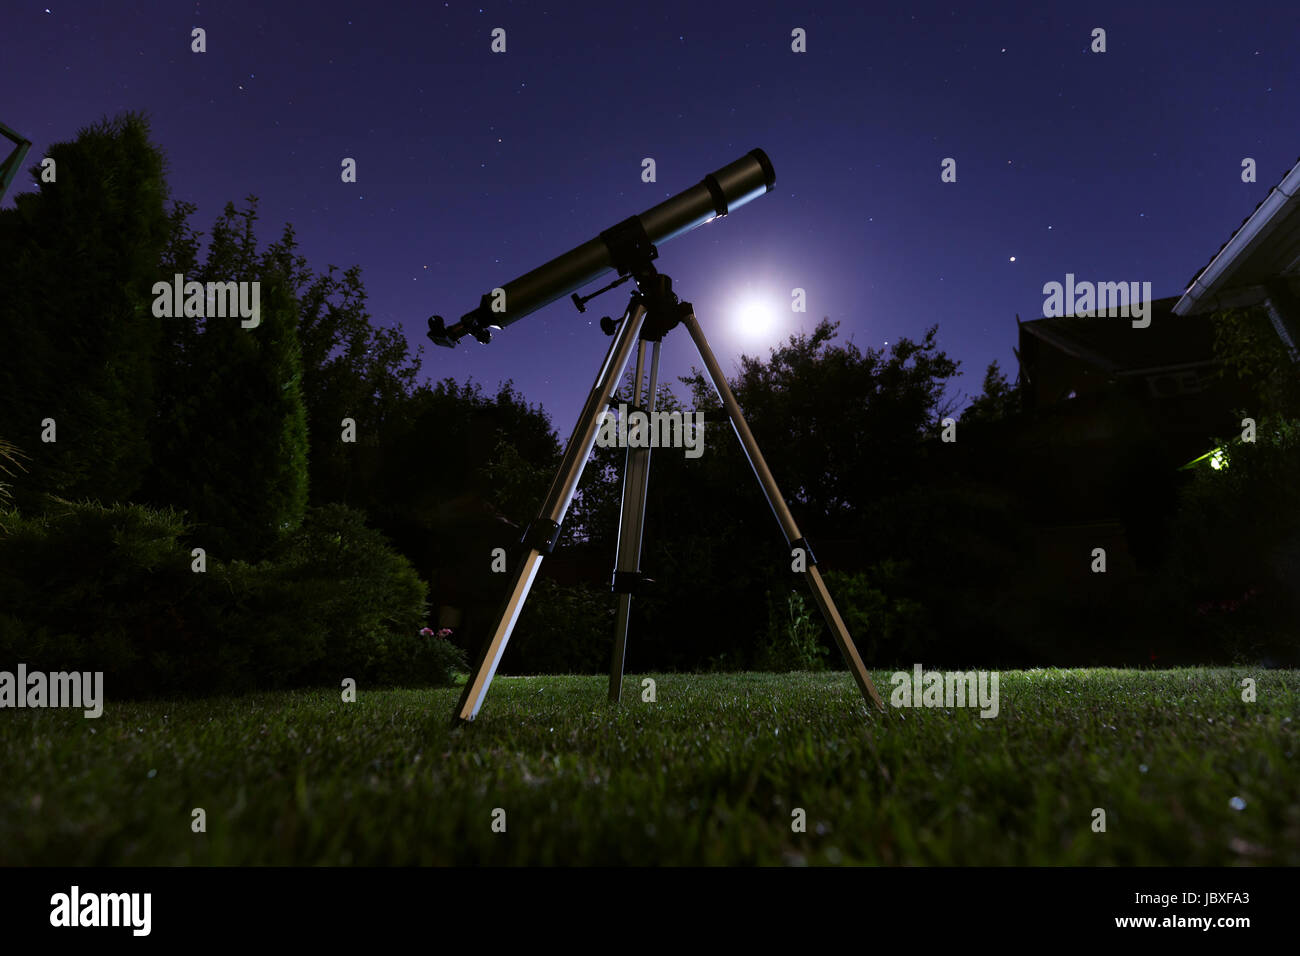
(1218, 459)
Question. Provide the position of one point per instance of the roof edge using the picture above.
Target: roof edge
(1253, 231)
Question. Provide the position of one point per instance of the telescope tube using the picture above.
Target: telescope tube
(716, 195)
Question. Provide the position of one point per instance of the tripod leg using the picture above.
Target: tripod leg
(822, 596)
(542, 534)
(636, 482)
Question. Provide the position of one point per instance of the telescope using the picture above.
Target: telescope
(616, 249)
(652, 311)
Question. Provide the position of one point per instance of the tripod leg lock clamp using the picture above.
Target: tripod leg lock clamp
(541, 536)
(630, 582)
(807, 550)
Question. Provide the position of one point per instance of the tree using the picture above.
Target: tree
(453, 439)
(1249, 350)
(461, 472)
(999, 401)
(232, 437)
(77, 334)
(838, 425)
(594, 515)
(351, 370)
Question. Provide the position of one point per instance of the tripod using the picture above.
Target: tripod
(652, 311)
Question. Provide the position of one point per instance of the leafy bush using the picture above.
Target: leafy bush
(92, 588)
(1233, 568)
(562, 630)
(439, 658)
(88, 587)
(793, 640)
(363, 601)
(952, 562)
(10, 456)
(886, 626)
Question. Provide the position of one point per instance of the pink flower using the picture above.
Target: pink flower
(426, 632)
(444, 632)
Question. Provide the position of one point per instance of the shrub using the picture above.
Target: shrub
(951, 560)
(10, 456)
(1232, 570)
(793, 639)
(562, 630)
(886, 626)
(103, 588)
(363, 600)
(440, 657)
(112, 589)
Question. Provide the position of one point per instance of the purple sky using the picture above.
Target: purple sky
(475, 167)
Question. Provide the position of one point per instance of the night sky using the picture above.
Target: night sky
(474, 167)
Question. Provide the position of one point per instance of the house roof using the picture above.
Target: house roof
(1264, 246)
(1116, 347)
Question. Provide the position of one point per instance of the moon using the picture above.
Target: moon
(756, 317)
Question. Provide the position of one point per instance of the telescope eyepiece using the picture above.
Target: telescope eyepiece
(439, 332)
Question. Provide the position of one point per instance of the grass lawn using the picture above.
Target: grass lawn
(708, 774)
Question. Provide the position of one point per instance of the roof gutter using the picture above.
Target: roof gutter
(1255, 231)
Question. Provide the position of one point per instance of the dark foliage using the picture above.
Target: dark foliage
(77, 261)
(114, 589)
(1233, 574)
(231, 436)
(563, 630)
